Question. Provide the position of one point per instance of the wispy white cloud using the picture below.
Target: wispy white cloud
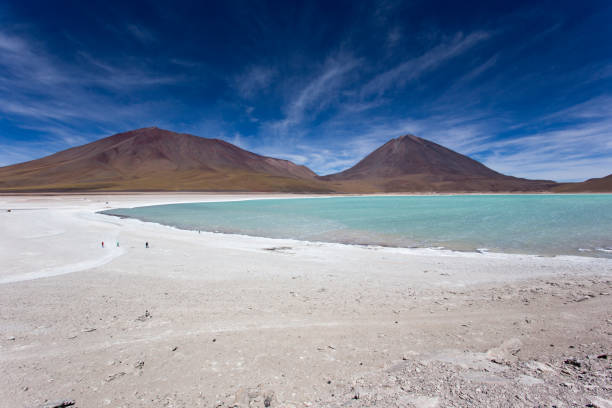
(314, 95)
(413, 68)
(249, 111)
(571, 153)
(477, 71)
(394, 36)
(120, 79)
(292, 156)
(253, 80)
(28, 67)
(62, 135)
(10, 43)
(239, 140)
(141, 33)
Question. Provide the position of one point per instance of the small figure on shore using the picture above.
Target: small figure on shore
(117, 244)
(146, 244)
(102, 244)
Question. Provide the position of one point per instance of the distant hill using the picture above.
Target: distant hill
(409, 163)
(594, 185)
(156, 159)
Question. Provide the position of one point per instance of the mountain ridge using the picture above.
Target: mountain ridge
(153, 159)
(592, 185)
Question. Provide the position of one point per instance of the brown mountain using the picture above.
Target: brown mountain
(410, 163)
(153, 159)
(594, 185)
(157, 159)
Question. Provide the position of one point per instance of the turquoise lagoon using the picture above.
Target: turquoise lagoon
(529, 224)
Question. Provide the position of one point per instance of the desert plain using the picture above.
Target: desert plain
(218, 320)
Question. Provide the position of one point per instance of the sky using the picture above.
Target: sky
(524, 87)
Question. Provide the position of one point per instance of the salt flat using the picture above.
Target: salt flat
(220, 320)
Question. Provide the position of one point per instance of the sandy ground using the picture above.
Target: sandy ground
(216, 320)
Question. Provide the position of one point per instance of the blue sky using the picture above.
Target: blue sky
(523, 87)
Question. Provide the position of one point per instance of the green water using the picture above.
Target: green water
(530, 224)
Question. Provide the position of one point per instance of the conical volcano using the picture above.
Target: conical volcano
(410, 163)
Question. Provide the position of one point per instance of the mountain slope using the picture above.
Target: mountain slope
(153, 159)
(594, 185)
(157, 159)
(409, 163)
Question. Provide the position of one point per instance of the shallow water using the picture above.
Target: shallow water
(530, 224)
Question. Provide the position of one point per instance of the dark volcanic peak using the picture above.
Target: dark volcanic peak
(410, 163)
(411, 155)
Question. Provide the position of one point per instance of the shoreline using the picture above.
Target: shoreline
(415, 250)
(599, 253)
(272, 193)
(252, 240)
(215, 320)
